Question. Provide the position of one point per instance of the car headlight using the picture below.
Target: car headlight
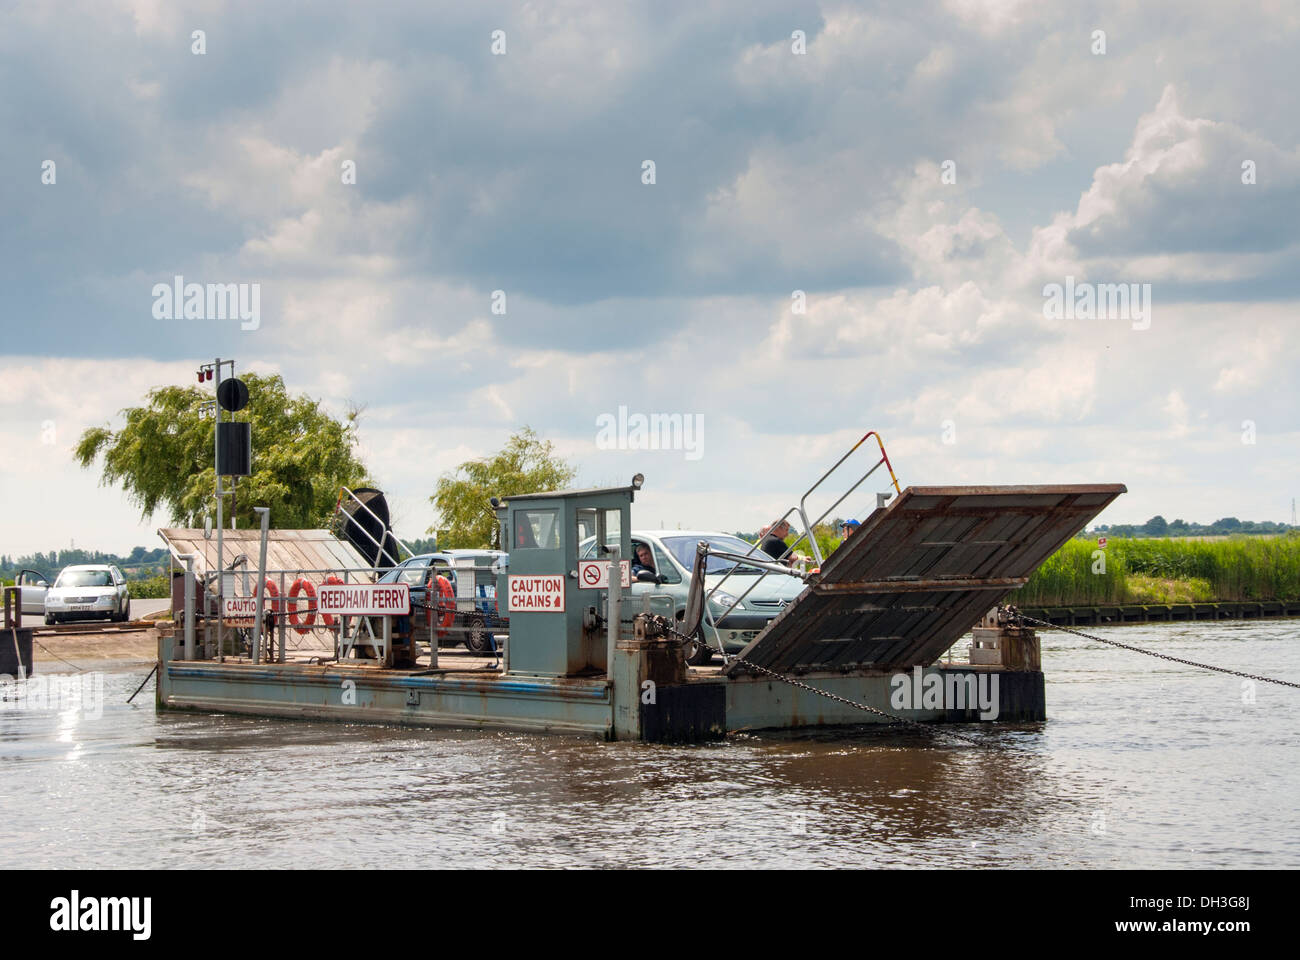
(726, 600)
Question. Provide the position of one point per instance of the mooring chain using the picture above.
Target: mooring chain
(666, 625)
(445, 606)
(56, 656)
(28, 668)
(1016, 614)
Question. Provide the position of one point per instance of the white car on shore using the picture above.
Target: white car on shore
(86, 591)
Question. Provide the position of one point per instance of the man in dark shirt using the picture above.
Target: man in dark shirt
(643, 561)
(773, 543)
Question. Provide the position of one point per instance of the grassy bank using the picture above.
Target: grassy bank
(152, 587)
(1168, 571)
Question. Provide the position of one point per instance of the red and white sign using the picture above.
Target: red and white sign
(536, 594)
(364, 599)
(1101, 542)
(594, 574)
(238, 611)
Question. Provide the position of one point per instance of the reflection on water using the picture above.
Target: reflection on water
(1143, 763)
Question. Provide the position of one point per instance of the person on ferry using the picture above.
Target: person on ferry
(773, 542)
(642, 560)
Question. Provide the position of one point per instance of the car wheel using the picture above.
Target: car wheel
(694, 652)
(476, 636)
(126, 610)
(49, 619)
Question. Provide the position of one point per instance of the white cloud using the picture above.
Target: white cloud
(819, 172)
(1177, 203)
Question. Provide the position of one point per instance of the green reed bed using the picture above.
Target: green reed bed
(1168, 571)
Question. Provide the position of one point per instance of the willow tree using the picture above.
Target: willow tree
(162, 457)
(526, 464)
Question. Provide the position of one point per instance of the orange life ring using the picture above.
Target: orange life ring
(446, 611)
(328, 618)
(302, 586)
(271, 591)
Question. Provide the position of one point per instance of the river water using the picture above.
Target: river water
(1143, 763)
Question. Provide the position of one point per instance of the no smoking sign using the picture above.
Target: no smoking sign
(594, 574)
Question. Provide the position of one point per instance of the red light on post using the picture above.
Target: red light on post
(200, 376)
(209, 373)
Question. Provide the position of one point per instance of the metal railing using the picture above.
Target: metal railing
(282, 610)
(808, 534)
(280, 607)
(386, 531)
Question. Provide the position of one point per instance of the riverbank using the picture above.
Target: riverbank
(1241, 569)
(54, 651)
(1080, 616)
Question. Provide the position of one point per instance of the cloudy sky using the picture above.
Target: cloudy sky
(921, 171)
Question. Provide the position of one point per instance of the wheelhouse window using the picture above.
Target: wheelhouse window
(536, 530)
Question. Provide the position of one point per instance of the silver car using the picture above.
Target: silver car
(741, 606)
(86, 591)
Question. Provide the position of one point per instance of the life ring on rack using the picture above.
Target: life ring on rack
(300, 586)
(446, 611)
(331, 580)
(270, 592)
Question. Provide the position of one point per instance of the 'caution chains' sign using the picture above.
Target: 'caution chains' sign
(537, 594)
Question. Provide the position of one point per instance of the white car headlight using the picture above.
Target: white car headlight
(726, 600)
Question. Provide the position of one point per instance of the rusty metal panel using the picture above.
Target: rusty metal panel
(920, 572)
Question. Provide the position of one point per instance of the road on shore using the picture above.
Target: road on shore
(139, 608)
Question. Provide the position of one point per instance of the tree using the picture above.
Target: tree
(1157, 526)
(526, 464)
(163, 456)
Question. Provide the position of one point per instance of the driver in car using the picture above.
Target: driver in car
(643, 561)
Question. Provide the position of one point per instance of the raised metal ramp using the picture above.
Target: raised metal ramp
(919, 573)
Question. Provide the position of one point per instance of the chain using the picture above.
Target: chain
(56, 656)
(1017, 615)
(667, 626)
